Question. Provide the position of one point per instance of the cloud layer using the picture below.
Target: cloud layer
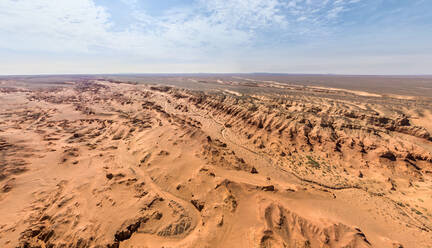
(191, 32)
(81, 25)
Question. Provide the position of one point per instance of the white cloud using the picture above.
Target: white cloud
(318, 12)
(45, 24)
(204, 31)
(334, 12)
(249, 14)
(81, 25)
(207, 35)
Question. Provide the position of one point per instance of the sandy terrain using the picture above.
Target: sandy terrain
(237, 161)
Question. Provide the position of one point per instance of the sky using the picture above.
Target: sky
(216, 36)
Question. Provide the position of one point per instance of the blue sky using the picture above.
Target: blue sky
(144, 36)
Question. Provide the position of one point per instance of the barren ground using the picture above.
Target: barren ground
(215, 161)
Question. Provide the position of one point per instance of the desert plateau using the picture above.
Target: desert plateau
(215, 161)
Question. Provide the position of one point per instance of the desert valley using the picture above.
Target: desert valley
(254, 160)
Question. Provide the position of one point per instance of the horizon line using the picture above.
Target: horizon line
(213, 73)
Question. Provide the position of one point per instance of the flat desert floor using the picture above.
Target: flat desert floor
(215, 161)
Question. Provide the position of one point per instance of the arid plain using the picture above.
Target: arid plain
(254, 160)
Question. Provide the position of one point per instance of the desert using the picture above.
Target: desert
(250, 160)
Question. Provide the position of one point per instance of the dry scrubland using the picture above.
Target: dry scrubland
(229, 161)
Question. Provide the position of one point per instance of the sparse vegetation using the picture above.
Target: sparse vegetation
(312, 162)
